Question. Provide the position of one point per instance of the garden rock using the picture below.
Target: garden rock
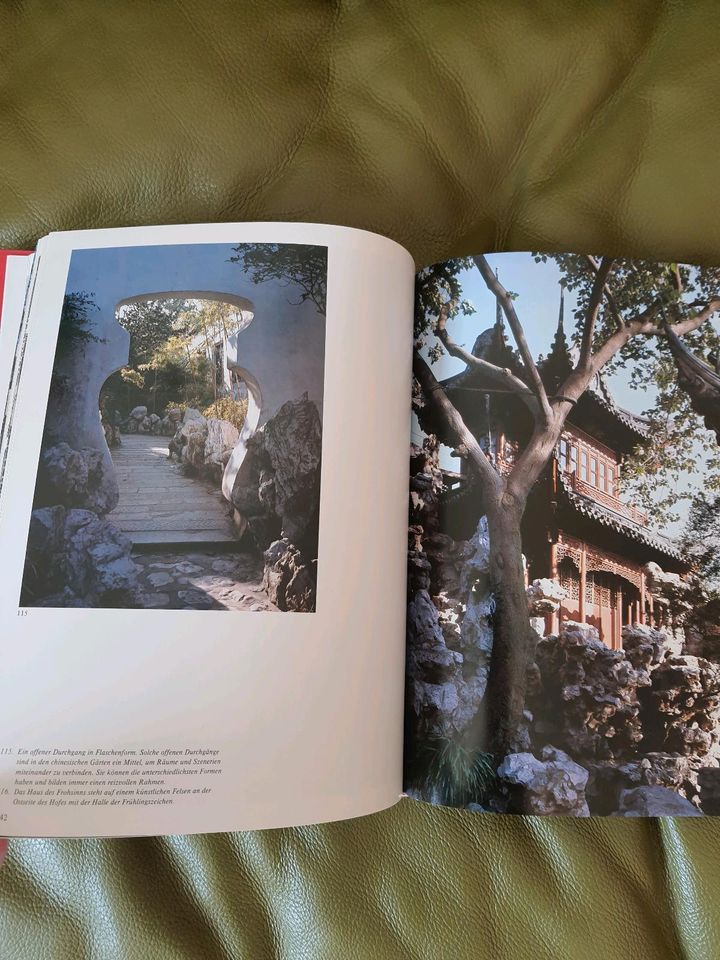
(681, 709)
(81, 554)
(587, 697)
(221, 438)
(75, 478)
(277, 488)
(288, 579)
(654, 802)
(553, 784)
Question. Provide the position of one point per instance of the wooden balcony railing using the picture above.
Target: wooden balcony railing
(606, 499)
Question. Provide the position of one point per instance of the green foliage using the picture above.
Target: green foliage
(660, 475)
(665, 471)
(225, 408)
(128, 375)
(701, 538)
(460, 774)
(172, 349)
(300, 266)
(76, 321)
(436, 287)
(150, 324)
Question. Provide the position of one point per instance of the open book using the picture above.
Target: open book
(217, 612)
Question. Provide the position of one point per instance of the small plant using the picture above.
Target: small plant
(225, 408)
(460, 774)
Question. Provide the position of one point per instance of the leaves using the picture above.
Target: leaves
(436, 287)
(302, 267)
(680, 455)
(76, 322)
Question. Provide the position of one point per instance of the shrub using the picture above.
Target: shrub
(225, 408)
(460, 774)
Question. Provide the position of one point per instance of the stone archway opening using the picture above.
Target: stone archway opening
(177, 418)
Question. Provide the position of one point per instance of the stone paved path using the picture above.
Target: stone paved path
(201, 581)
(159, 504)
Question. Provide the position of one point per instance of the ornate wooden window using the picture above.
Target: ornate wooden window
(563, 454)
(600, 589)
(583, 464)
(569, 579)
(593, 465)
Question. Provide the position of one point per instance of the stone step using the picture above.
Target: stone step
(172, 523)
(175, 506)
(206, 537)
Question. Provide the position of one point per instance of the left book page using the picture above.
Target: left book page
(203, 531)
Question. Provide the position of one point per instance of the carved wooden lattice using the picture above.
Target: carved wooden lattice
(599, 561)
(569, 580)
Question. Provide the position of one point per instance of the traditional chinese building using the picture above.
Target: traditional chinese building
(577, 530)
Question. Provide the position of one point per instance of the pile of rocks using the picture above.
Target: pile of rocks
(276, 494)
(681, 708)
(76, 558)
(202, 443)
(587, 699)
(643, 721)
(76, 478)
(140, 421)
(449, 631)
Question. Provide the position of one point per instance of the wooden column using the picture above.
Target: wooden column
(642, 597)
(583, 575)
(553, 620)
(651, 609)
(617, 639)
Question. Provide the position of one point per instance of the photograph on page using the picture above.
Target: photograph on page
(564, 586)
(162, 482)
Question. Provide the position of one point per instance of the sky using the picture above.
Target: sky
(538, 288)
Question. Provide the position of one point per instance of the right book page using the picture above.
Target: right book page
(564, 573)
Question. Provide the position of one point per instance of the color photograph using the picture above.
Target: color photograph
(564, 583)
(181, 453)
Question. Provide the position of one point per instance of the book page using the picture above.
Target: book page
(202, 519)
(564, 584)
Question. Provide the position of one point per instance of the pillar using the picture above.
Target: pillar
(642, 598)
(583, 577)
(554, 618)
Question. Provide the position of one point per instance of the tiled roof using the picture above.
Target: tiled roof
(615, 521)
(600, 393)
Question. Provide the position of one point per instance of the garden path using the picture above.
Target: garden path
(159, 503)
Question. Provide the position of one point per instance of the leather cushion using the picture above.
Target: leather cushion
(452, 127)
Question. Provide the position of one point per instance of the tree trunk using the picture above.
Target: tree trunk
(513, 637)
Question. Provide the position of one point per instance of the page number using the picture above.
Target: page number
(22, 612)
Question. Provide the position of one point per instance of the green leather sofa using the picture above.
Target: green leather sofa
(452, 127)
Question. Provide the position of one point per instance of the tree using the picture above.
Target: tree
(623, 308)
(300, 266)
(76, 321)
(150, 324)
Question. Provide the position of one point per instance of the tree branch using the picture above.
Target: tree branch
(593, 309)
(498, 375)
(435, 395)
(692, 323)
(503, 298)
(595, 265)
